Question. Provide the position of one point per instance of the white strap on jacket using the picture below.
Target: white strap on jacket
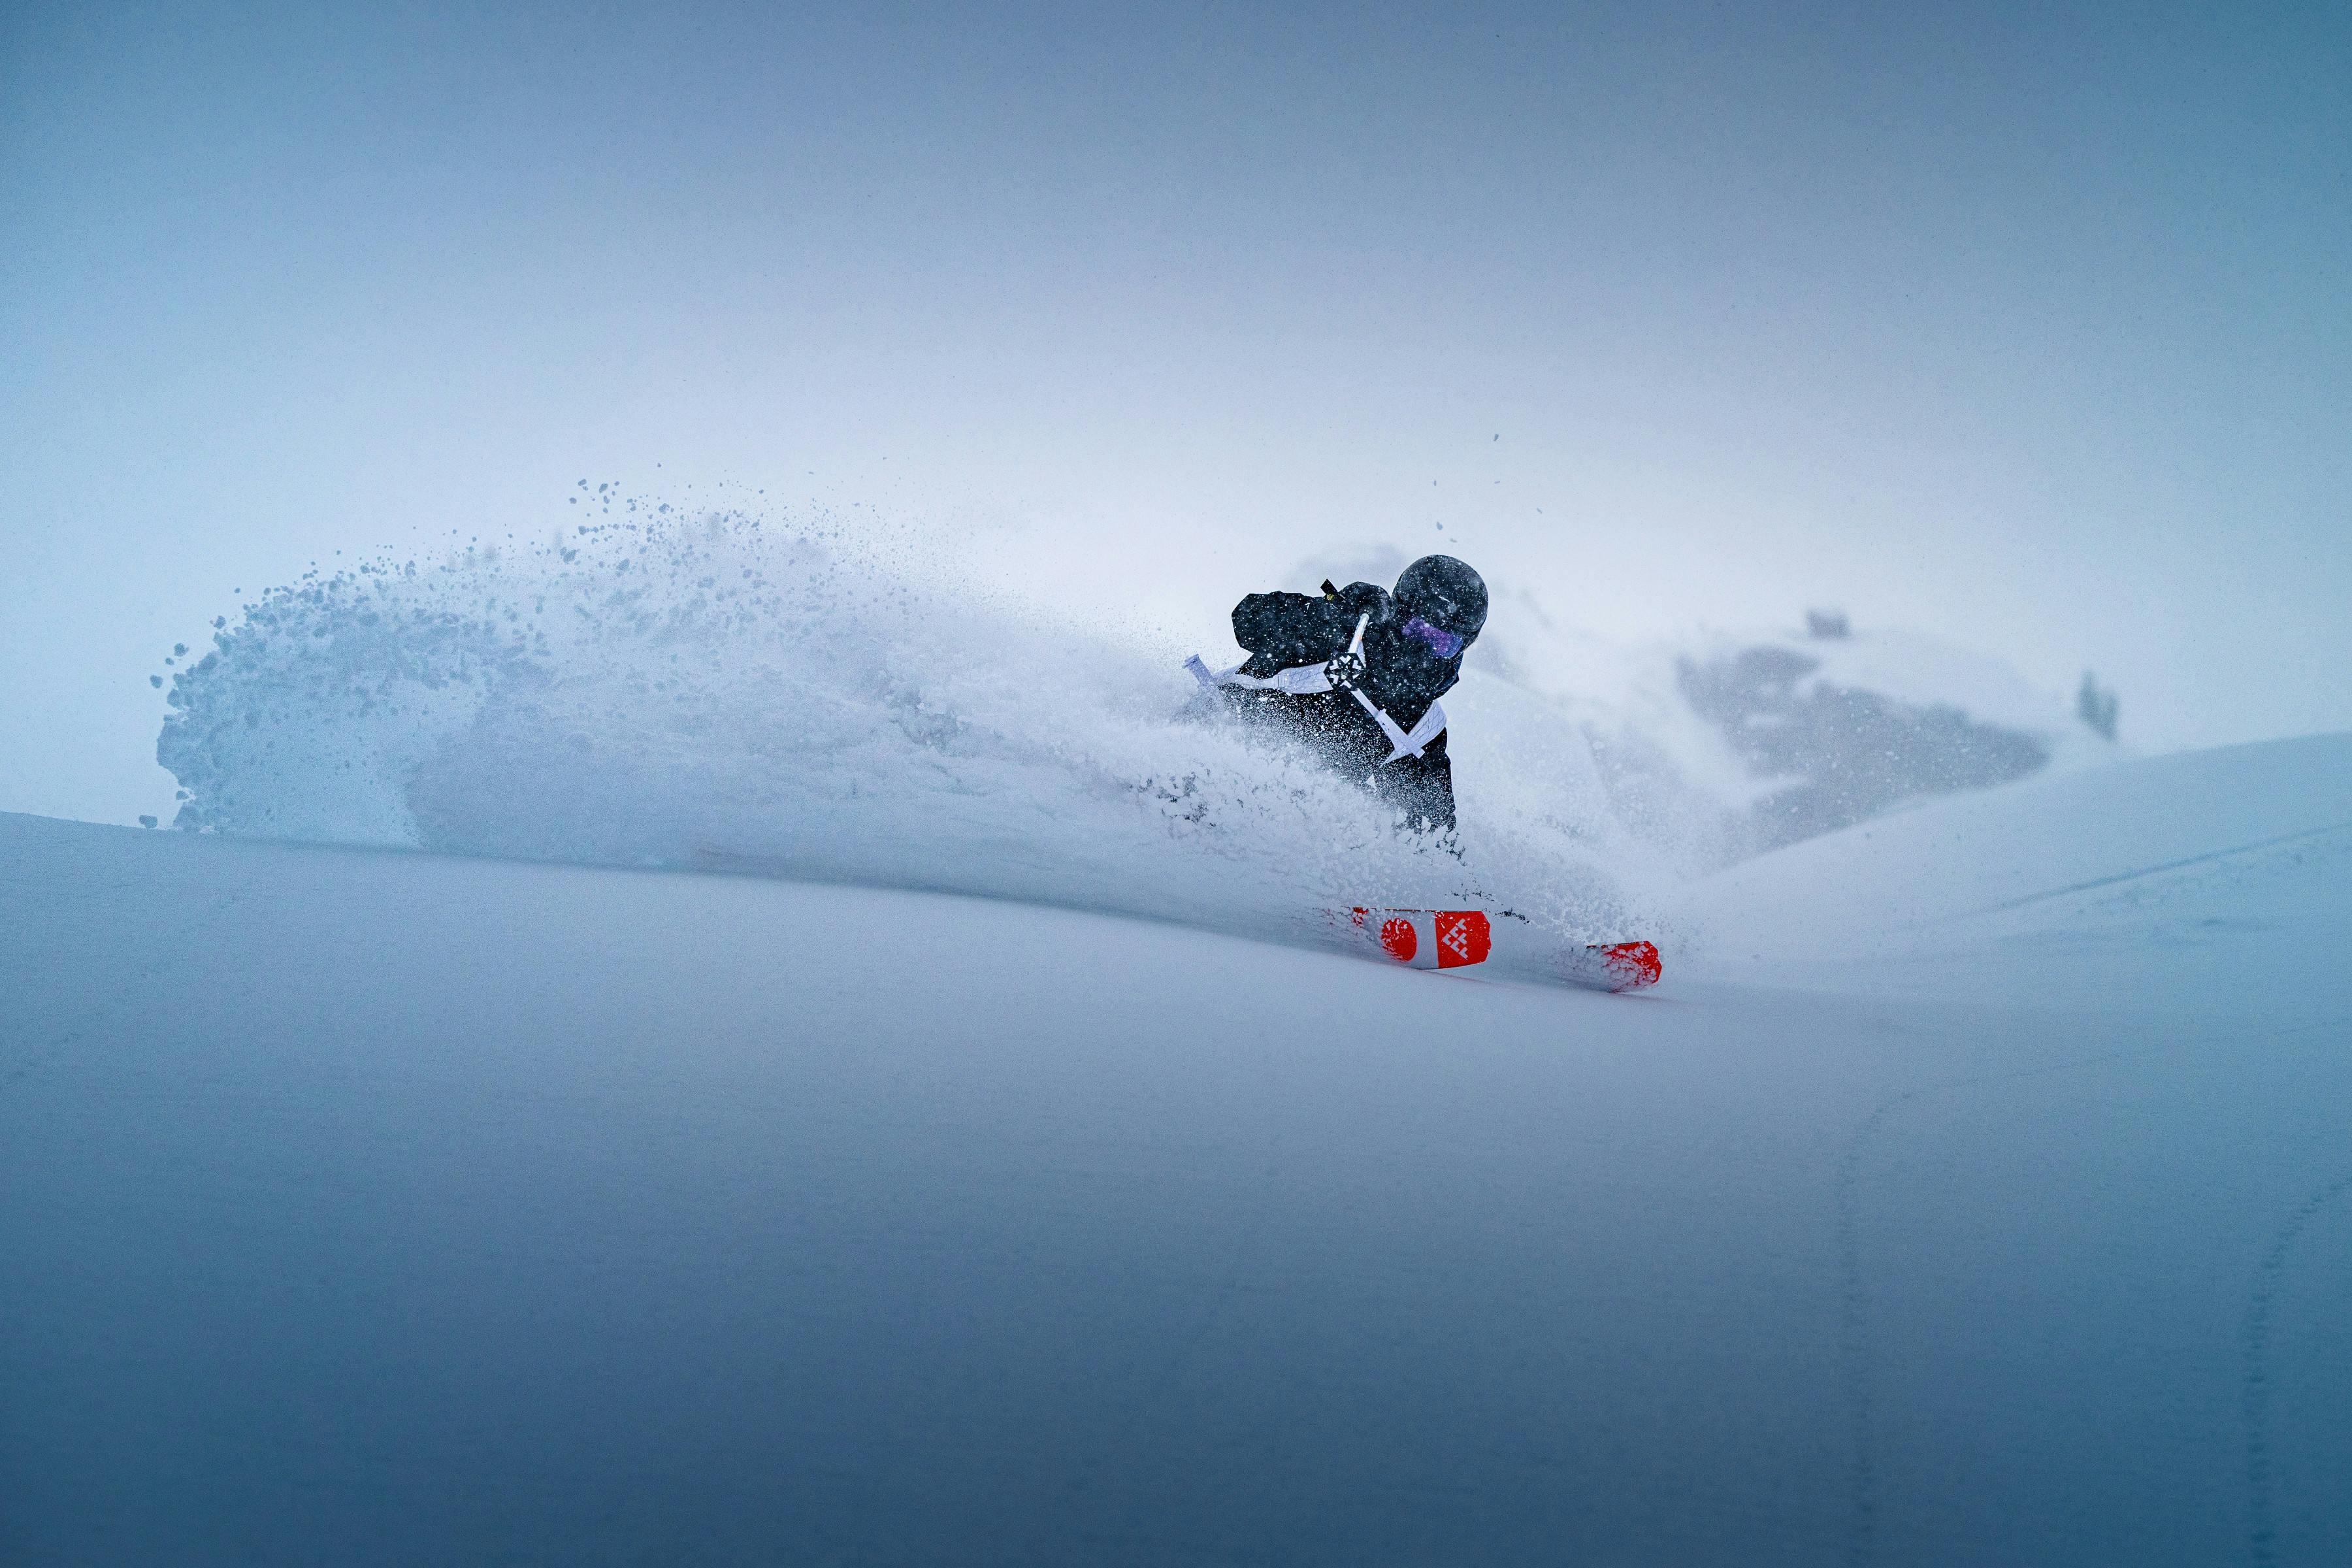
(1313, 680)
(1305, 681)
(1406, 742)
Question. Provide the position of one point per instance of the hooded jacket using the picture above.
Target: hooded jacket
(1402, 676)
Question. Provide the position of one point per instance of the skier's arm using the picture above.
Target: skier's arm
(1288, 629)
(1358, 599)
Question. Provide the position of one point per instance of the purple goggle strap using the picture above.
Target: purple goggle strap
(1443, 644)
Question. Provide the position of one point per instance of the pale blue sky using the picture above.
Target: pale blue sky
(2030, 325)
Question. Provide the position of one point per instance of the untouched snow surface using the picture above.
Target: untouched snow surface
(1982, 1193)
(2204, 880)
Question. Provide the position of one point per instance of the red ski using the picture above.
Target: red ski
(1615, 965)
(1453, 939)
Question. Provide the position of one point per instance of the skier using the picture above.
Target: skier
(1358, 672)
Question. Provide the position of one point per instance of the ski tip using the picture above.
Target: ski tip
(1627, 965)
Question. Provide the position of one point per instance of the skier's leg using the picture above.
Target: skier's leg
(1422, 788)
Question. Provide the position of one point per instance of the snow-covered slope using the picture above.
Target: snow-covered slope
(367, 1207)
(2191, 878)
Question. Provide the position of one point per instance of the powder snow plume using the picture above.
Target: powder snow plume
(737, 691)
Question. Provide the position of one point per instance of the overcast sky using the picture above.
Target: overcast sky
(2028, 324)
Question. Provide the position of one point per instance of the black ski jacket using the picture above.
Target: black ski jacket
(1402, 674)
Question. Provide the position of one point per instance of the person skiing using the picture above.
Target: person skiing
(1358, 672)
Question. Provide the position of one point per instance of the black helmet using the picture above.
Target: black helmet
(1445, 592)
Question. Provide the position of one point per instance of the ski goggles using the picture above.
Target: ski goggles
(1442, 642)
